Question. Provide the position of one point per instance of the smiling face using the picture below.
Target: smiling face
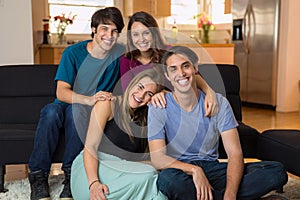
(106, 36)
(181, 73)
(141, 93)
(141, 36)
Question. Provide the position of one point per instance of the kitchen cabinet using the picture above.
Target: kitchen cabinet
(227, 7)
(157, 8)
(51, 54)
(218, 53)
(213, 53)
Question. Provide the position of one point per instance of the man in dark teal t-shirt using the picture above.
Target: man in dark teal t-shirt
(87, 73)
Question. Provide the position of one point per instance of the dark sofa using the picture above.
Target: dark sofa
(25, 89)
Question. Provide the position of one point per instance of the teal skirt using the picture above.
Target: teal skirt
(125, 180)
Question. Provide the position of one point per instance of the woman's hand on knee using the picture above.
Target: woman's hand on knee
(98, 191)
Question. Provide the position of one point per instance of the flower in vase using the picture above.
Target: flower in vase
(61, 23)
(204, 23)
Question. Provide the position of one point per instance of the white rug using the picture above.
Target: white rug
(291, 189)
(21, 190)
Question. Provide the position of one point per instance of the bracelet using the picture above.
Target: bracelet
(93, 183)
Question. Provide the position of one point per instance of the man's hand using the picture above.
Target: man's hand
(99, 96)
(102, 96)
(203, 188)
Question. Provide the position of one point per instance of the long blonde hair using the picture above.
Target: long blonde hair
(125, 116)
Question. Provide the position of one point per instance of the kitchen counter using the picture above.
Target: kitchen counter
(51, 53)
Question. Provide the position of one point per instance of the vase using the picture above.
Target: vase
(205, 38)
(61, 39)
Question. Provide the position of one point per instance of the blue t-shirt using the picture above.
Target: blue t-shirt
(190, 135)
(86, 74)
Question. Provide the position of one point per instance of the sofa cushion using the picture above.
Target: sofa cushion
(27, 80)
(281, 145)
(22, 110)
(24, 90)
(16, 144)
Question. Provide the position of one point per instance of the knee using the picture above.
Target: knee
(277, 173)
(142, 179)
(281, 173)
(52, 112)
(175, 183)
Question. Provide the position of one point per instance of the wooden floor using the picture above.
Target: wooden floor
(264, 119)
(261, 119)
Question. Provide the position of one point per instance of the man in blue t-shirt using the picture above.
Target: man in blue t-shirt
(87, 73)
(184, 143)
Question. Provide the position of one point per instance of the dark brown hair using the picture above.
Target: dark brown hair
(181, 50)
(158, 46)
(107, 15)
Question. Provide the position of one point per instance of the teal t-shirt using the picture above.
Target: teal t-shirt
(86, 74)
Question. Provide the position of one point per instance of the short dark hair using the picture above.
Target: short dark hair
(108, 15)
(182, 50)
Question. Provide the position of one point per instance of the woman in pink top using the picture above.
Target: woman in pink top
(145, 45)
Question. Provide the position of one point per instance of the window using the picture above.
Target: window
(217, 12)
(84, 9)
(183, 12)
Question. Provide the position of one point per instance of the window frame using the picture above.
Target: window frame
(79, 26)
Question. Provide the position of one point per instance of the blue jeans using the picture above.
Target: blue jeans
(259, 178)
(54, 117)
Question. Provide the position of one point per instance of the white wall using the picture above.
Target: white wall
(288, 92)
(16, 46)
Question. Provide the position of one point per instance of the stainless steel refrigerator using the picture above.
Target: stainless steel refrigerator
(255, 33)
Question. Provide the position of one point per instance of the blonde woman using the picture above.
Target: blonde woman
(113, 163)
